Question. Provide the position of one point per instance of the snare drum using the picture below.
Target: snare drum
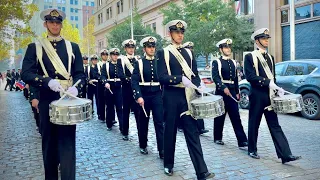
(70, 111)
(289, 103)
(207, 107)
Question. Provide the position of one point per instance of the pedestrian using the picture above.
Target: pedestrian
(13, 78)
(129, 104)
(224, 74)
(200, 122)
(101, 109)
(259, 67)
(178, 75)
(112, 76)
(8, 78)
(147, 93)
(53, 64)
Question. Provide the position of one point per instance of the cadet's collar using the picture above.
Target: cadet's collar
(177, 46)
(130, 56)
(262, 50)
(54, 39)
(85, 65)
(103, 62)
(226, 57)
(149, 57)
(112, 62)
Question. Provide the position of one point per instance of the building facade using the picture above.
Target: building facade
(275, 14)
(77, 12)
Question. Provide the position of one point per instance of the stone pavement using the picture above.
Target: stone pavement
(102, 154)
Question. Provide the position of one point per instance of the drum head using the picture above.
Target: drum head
(288, 96)
(206, 99)
(71, 102)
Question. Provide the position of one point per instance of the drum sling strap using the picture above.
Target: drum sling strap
(257, 56)
(219, 69)
(190, 92)
(126, 63)
(55, 60)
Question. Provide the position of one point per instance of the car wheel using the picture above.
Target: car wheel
(311, 109)
(244, 99)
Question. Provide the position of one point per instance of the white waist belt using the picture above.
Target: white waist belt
(149, 83)
(114, 80)
(227, 81)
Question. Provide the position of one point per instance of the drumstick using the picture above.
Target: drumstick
(202, 92)
(66, 94)
(233, 98)
(110, 91)
(144, 110)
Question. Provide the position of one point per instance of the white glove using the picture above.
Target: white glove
(94, 80)
(54, 85)
(73, 91)
(280, 92)
(202, 87)
(273, 86)
(107, 86)
(186, 82)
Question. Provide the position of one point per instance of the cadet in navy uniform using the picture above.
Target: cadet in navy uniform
(58, 141)
(176, 73)
(224, 74)
(259, 70)
(93, 80)
(200, 122)
(84, 87)
(147, 93)
(8, 77)
(18, 78)
(129, 103)
(112, 77)
(101, 89)
(13, 78)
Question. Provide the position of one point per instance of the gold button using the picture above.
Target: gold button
(151, 72)
(55, 49)
(56, 77)
(151, 76)
(170, 80)
(56, 72)
(54, 44)
(36, 79)
(174, 77)
(151, 68)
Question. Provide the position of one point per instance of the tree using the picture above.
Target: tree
(123, 31)
(88, 38)
(68, 32)
(14, 14)
(209, 22)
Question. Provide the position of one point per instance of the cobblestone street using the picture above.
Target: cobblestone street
(102, 154)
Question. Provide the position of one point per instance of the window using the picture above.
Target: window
(76, 2)
(76, 18)
(63, 9)
(245, 7)
(75, 10)
(99, 2)
(109, 13)
(48, 1)
(59, 8)
(284, 16)
(77, 26)
(72, 18)
(285, 2)
(295, 69)
(121, 2)
(100, 18)
(45, 7)
(118, 7)
(279, 69)
(71, 9)
(154, 27)
(71, 1)
(303, 12)
(87, 3)
(316, 9)
(50, 6)
(311, 67)
(60, 1)
(92, 4)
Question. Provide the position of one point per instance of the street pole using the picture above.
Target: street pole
(292, 32)
(88, 31)
(131, 19)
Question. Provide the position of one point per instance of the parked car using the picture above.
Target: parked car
(296, 76)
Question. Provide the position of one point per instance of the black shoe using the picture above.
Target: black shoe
(168, 171)
(254, 155)
(204, 176)
(161, 154)
(109, 129)
(144, 151)
(243, 145)
(202, 131)
(220, 142)
(114, 122)
(125, 138)
(290, 158)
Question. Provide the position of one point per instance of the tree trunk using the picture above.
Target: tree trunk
(207, 59)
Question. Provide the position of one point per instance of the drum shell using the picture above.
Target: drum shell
(211, 109)
(71, 114)
(288, 105)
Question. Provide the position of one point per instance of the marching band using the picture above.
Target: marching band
(164, 82)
